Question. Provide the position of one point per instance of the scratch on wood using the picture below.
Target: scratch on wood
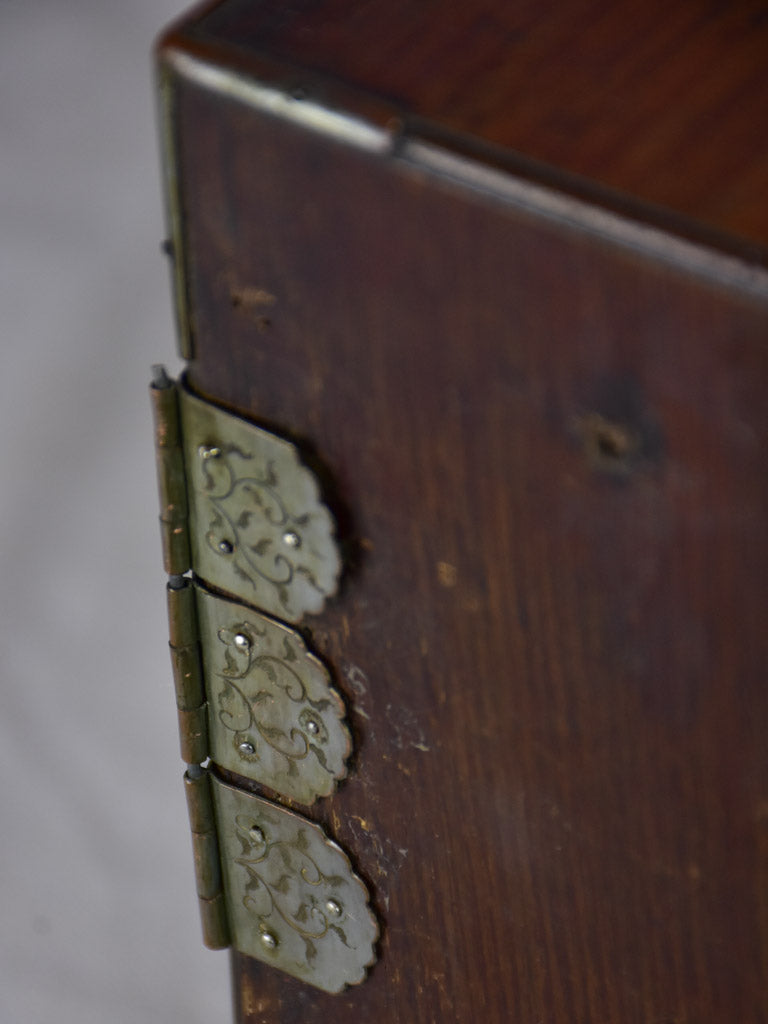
(389, 858)
(251, 1003)
(251, 297)
(357, 679)
(447, 574)
(406, 729)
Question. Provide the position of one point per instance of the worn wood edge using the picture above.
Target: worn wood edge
(349, 116)
(637, 233)
(278, 98)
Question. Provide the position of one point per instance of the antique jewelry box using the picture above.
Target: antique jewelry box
(464, 502)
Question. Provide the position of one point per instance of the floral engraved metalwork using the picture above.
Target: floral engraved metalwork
(293, 899)
(273, 714)
(259, 530)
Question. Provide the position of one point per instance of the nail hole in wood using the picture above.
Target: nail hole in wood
(606, 443)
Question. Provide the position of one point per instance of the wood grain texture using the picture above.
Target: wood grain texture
(666, 102)
(546, 451)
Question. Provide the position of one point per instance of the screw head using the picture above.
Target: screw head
(242, 642)
(209, 451)
(333, 907)
(291, 539)
(247, 748)
(256, 834)
(269, 940)
(313, 727)
(225, 546)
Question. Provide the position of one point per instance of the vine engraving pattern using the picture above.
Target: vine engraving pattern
(259, 529)
(273, 714)
(296, 902)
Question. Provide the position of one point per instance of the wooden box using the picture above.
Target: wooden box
(500, 270)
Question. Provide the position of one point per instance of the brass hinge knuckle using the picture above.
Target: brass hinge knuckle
(171, 474)
(205, 846)
(186, 661)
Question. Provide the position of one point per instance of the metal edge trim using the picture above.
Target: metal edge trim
(173, 207)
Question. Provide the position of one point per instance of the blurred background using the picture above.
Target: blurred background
(99, 919)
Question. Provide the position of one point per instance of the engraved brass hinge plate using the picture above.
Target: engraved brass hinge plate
(276, 887)
(253, 698)
(248, 543)
(240, 508)
(293, 899)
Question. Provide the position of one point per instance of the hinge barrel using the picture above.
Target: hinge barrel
(213, 917)
(193, 734)
(171, 477)
(205, 844)
(188, 673)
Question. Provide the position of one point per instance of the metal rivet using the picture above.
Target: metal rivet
(226, 547)
(333, 908)
(209, 452)
(269, 940)
(313, 727)
(247, 748)
(291, 539)
(242, 642)
(256, 834)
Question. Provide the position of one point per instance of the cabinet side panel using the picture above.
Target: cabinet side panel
(546, 454)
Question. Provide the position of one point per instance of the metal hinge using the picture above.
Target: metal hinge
(242, 515)
(253, 698)
(238, 505)
(274, 886)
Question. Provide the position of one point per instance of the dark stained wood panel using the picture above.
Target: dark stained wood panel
(664, 102)
(547, 453)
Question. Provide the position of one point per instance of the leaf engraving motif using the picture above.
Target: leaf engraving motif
(248, 515)
(303, 908)
(273, 713)
(259, 528)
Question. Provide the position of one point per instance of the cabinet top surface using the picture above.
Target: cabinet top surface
(663, 103)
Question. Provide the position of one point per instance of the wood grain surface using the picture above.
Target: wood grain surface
(662, 101)
(546, 451)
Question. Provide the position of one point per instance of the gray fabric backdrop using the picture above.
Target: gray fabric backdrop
(98, 921)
